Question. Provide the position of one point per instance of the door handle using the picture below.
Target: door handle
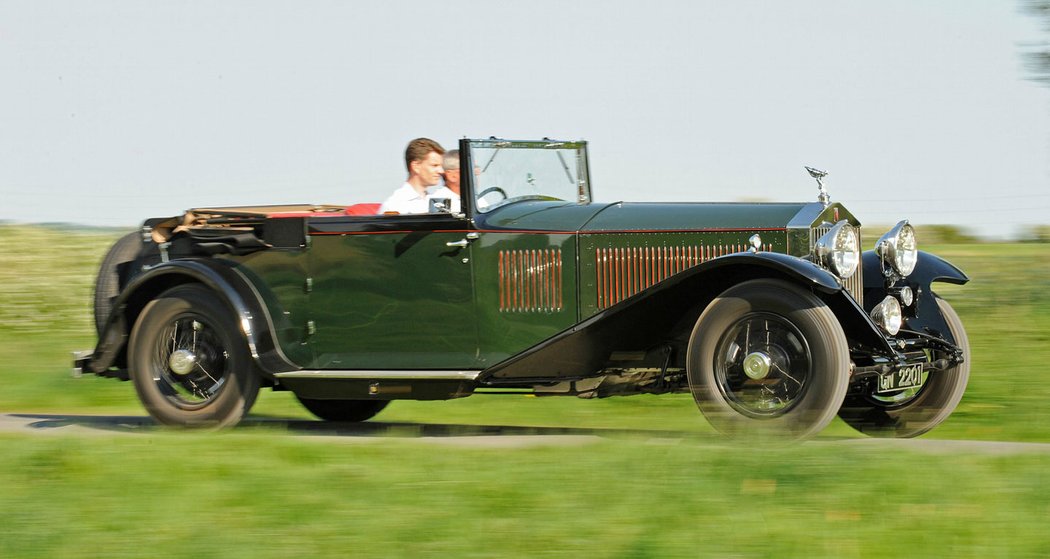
(462, 243)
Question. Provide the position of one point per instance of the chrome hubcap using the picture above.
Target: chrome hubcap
(182, 362)
(757, 365)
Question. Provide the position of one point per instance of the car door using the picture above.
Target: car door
(392, 293)
(525, 287)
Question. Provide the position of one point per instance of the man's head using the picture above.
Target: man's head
(451, 165)
(423, 160)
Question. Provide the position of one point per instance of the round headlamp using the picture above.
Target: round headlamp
(898, 247)
(907, 296)
(839, 250)
(887, 315)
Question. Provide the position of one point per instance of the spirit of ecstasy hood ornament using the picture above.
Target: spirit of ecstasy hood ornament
(823, 197)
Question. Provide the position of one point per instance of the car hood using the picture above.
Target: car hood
(651, 216)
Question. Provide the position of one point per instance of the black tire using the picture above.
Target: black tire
(108, 283)
(343, 410)
(926, 408)
(188, 361)
(794, 352)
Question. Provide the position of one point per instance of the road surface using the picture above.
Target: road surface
(492, 436)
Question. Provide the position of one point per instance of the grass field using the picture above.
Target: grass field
(657, 484)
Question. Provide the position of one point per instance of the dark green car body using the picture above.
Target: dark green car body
(548, 291)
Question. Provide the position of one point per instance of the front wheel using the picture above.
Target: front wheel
(189, 364)
(916, 411)
(343, 410)
(768, 358)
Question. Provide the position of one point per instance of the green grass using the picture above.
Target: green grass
(257, 493)
(1006, 310)
(655, 485)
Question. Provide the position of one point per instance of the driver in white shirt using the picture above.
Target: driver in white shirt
(423, 160)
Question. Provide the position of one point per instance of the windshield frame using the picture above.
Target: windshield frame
(470, 182)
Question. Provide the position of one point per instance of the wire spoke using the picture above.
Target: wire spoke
(205, 371)
(786, 374)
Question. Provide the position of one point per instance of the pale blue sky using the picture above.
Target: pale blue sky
(111, 112)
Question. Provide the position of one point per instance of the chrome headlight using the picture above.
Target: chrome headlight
(887, 315)
(898, 247)
(839, 250)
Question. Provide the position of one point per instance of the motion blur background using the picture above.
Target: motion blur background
(115, 111)
(111, 112)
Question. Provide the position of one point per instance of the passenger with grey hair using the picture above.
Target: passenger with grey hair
(451, 165)
(450, 190)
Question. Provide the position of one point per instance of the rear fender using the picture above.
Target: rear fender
(666, 313)
(240, 296)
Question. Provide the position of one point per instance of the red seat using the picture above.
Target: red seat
(363, 209)
(304, 214)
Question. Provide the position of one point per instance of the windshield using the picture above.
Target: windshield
(507, 171)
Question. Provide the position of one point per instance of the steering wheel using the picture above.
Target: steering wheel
(493, 189)
(484, 205)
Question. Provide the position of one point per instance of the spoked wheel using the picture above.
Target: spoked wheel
(188, 362)
(343, 410)
(768, 358)
(912, 412)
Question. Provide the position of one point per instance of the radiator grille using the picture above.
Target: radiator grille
(530, 280)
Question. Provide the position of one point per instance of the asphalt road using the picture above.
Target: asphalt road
(491, 436)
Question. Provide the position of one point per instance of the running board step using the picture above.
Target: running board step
(383, 374)
(379, 384)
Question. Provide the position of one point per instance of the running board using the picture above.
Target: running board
(383, 374)
(379, 384)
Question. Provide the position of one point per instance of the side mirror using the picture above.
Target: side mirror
(440, 205)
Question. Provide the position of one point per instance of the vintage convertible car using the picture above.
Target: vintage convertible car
(768, 314)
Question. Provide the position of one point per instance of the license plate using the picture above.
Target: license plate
(901, 379)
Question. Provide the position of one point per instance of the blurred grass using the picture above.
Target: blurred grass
(256, 491)
(47, 277)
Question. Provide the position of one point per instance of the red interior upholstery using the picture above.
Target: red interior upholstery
(363, 209)
(356, 209)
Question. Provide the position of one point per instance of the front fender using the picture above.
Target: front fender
(220, 276)
(925, 316)
(665, 314)
(928, 269)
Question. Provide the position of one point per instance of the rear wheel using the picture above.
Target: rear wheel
(768, 358)
(914, 412)
(343, 410)
(189, 364)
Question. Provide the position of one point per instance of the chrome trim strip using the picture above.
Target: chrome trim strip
(380, 375)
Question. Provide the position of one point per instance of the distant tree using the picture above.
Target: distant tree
(1038, 57)
(1036, 234)
(944, 234)
(1038, 61)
